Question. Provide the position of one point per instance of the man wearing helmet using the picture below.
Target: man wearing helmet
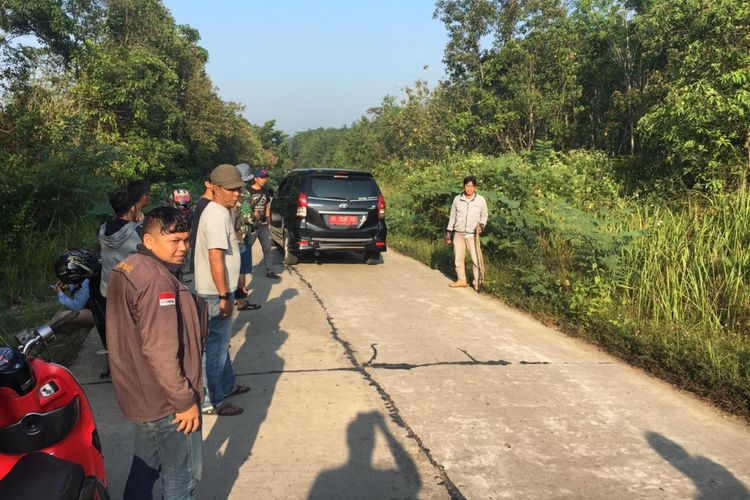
(180, 199)
(74, 270)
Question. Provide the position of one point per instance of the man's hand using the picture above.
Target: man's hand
(479, 229)
(448, 237)
(225, 308)
(188, 421)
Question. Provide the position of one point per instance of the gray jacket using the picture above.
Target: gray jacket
(116, 247)
(467, 214)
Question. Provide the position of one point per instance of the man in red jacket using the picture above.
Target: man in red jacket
(154, 342)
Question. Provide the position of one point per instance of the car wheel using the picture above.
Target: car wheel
(290, 258)
(372, 258)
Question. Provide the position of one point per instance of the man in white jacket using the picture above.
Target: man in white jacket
(468, 215)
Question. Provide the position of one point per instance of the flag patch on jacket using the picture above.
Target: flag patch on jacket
(167, 298)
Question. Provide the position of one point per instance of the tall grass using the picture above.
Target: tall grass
(26, 271)
(693, 263)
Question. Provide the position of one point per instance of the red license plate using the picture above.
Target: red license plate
(342, 220)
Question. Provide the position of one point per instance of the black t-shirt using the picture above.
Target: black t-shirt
(258, 200)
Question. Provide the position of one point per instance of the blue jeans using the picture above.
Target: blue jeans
(217, 364)
(161, 450)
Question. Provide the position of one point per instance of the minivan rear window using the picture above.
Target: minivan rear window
(351, 188)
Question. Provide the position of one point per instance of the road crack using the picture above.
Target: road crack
(374, 355)
(390, 404)
(467, 354)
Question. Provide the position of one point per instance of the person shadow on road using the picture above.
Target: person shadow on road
(230, 441)
(711, 479)
(358, 478)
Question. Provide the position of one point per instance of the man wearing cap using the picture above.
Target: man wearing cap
(217, 269)
(260, 203)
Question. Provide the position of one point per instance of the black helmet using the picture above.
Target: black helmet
(74, 266)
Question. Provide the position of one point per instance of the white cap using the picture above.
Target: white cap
(244, 169)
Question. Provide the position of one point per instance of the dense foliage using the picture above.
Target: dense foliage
(95, 93)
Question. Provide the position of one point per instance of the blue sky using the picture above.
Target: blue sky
(312, 64)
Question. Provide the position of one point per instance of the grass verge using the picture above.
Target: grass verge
(26, 271)
(63, 350)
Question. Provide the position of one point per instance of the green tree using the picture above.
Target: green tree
(62, 26)
(316, 148)
(701, 120)
(273, 142)
(614, 75)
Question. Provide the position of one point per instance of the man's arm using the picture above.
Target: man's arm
(451, 223)
(483, 214)
(78, 300)
(218, 273)
(452, 217)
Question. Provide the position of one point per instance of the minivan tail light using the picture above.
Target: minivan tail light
(381, 207)
(302, 205)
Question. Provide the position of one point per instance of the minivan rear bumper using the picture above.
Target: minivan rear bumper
(307, 240)
(320, 244)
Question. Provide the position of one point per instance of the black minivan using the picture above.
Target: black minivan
(316, 210)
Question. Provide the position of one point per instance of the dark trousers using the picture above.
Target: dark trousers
(264, 235)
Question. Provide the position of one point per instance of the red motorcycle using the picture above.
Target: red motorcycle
(49, 446)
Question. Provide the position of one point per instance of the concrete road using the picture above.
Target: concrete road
(381, 382)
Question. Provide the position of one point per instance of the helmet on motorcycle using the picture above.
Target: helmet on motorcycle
(74, 266)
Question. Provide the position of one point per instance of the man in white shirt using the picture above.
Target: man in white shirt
(217, 269)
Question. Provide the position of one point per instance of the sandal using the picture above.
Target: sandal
(238, 389)
(247, 306)
(225, 409)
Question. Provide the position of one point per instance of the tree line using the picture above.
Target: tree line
(665, 83)
(97, 92)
